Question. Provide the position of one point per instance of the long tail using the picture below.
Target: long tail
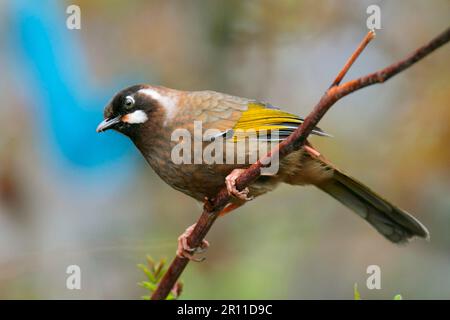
(395, 224)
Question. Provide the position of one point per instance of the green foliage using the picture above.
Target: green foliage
(154, 272)
(357, 295)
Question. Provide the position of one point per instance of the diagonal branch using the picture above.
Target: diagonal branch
(294, 142)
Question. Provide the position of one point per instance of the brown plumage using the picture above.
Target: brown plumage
(149, 115)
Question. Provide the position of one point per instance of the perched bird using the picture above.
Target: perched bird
(149, 116)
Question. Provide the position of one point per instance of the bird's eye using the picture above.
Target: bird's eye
(129, 102)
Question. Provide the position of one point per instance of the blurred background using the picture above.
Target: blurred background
(71, 196)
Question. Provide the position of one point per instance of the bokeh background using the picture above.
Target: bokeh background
(71, 196)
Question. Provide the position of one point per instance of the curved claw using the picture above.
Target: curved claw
(230, 182)
(185, 251)
(243, 194)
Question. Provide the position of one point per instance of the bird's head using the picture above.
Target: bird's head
(136, 106)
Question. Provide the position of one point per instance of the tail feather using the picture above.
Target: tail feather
(395, 224)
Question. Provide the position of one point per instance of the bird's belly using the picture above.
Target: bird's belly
(195, 180)
(203, 180)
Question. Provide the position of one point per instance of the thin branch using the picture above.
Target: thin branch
(294, 142)
(369, 36)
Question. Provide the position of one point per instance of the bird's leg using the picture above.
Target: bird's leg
(230, 182)
(311, 150)
(185, 251)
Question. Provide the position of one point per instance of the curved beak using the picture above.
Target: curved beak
(108, 123)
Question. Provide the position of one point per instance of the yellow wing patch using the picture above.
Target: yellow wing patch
(261, 117)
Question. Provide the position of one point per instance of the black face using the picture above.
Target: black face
(126, 110)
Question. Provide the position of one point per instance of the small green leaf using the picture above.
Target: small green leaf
(158, 268)
(148, 285)
(171, 297)
(147, 272)
(154, 272)
(150, 260)
(356, 294)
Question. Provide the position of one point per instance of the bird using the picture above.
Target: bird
(158, 120)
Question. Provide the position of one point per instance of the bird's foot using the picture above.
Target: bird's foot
(185, 251)
(230, 182)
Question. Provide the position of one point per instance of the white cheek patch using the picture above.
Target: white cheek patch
(135, 117)
(169, 103)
